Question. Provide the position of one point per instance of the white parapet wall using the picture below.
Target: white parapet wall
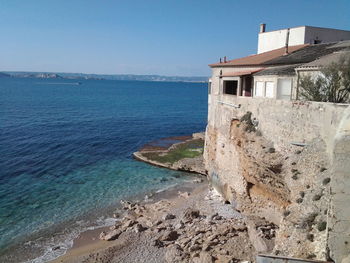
(299, 35)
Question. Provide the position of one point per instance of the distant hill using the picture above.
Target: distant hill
(49, 75)
(4, 75)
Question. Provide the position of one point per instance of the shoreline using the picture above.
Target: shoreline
(88, 241)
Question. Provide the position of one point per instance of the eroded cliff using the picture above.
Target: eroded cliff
(287, 184)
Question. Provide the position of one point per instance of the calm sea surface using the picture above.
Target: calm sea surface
(65, 154)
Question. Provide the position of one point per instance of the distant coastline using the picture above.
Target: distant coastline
(130, 77)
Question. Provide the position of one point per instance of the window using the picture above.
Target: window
(259, 89)
(284, 89)
(269, 89)
(230, 87)
(209, 87)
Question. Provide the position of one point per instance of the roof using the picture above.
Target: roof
(327, 60)
(288, 70)
(309, 53)
(258, 59)
(241, 73)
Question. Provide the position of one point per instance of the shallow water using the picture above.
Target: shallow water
(65, 153)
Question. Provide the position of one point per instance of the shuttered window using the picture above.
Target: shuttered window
(259, 89)
(269, 89)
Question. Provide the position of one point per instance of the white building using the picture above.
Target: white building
(297, 36)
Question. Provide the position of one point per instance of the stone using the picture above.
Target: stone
(209, 244)
(128, 223)
(224, 259)
(173, 253)
(112, 235)
(179, 225)
(191, 214)
(169, 216)
(184, 194)
(205, 257)
(158, 243)
(139, 228)
(195, 247)
(198, 180)
(170, 235)
(127, 205)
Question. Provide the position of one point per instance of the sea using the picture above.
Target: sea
(66, 154)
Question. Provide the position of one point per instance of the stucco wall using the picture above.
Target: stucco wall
(276, 39)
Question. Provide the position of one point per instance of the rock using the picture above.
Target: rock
(112, 235)
(209, 244)
(158, 243)
(55, 248)
(184, 241)
(170, 235)
(128, 223)
(139, 228)
(131, 215)
(173, 254)
(179, 225)
(198, 180)
(195, 247)
(157, 223)
(225, 259)
(190, 214)
(205, 257)
(126, 204)
(184, 194)
(169, 217)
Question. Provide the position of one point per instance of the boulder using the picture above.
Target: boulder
(168, 216)
(169, 235)
(112, 235)
(190, 214)
(139, 228)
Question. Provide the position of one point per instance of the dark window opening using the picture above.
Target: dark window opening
(230, 87)
(248, 85)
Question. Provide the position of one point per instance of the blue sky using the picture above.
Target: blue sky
(179, 37)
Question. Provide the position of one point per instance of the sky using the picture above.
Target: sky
(178, 37)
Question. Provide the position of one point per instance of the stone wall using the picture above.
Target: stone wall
(278, 165)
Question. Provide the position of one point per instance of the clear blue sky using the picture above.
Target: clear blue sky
(178, 37)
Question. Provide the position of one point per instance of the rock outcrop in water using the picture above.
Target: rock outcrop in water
(186, 155)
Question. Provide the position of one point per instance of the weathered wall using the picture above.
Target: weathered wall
(339, 217)
(272, 178)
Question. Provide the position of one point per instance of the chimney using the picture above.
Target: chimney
(287, 42)
(262, 28)
(225, 59)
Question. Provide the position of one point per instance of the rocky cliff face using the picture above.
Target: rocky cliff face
(287, 186)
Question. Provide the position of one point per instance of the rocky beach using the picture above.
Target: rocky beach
(187, 224)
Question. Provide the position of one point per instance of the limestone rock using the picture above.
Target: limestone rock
(190, 214)
(170, 235)
(173, 254)
(112, 235)
(168, 216)
(139, 228)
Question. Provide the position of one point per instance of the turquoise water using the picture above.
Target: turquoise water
(65, 153)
